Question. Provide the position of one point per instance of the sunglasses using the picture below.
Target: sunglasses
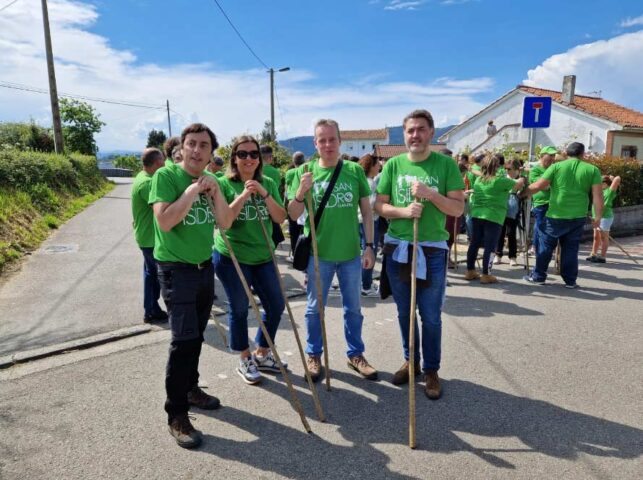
(242, 154)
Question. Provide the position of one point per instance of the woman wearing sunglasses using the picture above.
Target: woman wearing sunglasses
(243, 184)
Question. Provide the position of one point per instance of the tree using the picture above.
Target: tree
(80, 124)
(264, 136)
(156, 139)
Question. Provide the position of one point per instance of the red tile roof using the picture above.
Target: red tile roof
(597, 107)
(390, 151)
(378, 134)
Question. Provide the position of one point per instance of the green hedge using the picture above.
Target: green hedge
(630, 171)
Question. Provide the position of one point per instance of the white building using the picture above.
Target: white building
(360, 142)
(602, 126)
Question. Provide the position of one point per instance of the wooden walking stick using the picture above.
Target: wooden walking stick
(527, 216)
(456, 230)
(320, 296)
(222, 333)
(311, 385)
(623, 250)
(557, 260)
(294, 399)
(412, 442)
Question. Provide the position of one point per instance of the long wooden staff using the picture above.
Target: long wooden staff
(623, 250)
(527, 216)
(222, 333)
(412, 442)
(311, 385)
(455, 243)
(320, 296)
(295, 400)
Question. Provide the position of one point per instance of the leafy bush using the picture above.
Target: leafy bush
(26, 136)
(631, 189)
(130, 162)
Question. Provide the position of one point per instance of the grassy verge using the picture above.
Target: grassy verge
(26, 220)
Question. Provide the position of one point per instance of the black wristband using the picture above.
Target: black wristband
(367, 244)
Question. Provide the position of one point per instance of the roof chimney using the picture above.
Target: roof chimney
(569, 87)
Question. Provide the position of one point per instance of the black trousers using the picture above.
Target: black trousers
(509, 228)
(188, 292)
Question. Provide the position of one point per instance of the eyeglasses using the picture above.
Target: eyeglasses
(242, 154)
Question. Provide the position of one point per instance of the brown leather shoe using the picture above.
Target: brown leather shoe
(361, 366)
(432, 389)
(184, 433)
(314, 367)
(401, 377)
(471, 275)
(485, 279)
(198, 398)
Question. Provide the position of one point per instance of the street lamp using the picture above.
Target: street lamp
(272, 99)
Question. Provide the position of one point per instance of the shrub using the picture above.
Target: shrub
(26, 136)
(630, 191)
(130, 162)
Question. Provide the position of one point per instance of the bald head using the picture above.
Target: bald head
(152, 159)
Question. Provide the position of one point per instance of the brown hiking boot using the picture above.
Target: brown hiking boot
(402, 375)
(432, 389)
(313, 363)
(484, 279)
(361, 366)
(198, 398)
(184, 433)
(471, 275)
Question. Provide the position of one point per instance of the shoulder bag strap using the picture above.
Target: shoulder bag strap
(327, 193)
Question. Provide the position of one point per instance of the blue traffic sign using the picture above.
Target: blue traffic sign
(536, 112)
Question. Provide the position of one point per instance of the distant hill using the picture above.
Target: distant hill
(396, 137)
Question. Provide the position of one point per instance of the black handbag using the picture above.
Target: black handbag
(301, 255)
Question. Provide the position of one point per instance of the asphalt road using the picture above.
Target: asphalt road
(540, 382)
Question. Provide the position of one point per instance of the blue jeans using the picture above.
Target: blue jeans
(263, 278)
(485, 233)
(429, 302)
(367, 274)
(348, 275)
(151, 286)
(568, 233)
(539, 214)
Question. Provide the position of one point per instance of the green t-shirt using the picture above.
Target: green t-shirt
(608, 202)
(290, 174)
(272, 173)
(190, 240)
(570, 187)
(542, 197)
(219, 174)
(490, 198)
(438, 172)
(168, 162)
(338, 230)
(245, 234)
(501, 172)
(142, 211)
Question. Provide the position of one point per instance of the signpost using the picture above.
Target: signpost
(536, 113)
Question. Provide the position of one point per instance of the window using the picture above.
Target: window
(629, 151)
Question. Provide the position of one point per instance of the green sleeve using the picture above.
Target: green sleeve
(161, 189)
(535, 174)
(364, 188)
(143, 191)
(550, 172)
(384, 185)
(507, 184)
(273, 190)
(296, 180)
(596, 178)
(454, 178)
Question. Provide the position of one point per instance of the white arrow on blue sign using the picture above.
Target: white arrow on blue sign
(536, 112)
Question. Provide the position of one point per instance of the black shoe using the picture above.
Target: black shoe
(591, 258)
(199, 399)
(159, 317)
(184, 433)
(530, 279)
(599, 259)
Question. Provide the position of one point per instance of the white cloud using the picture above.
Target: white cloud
(612, 66)
(632, 22)
(404, 5)
(231, 102)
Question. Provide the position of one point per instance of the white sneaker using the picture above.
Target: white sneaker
(512, 262)
(371, 292)
(248, 371)
(497, 260)
(335, 283)
(268, 363)
(289, 258)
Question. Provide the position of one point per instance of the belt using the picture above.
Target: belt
(198, 266)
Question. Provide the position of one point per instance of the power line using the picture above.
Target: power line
(28, 88)
(281, 114)
(8, 5)
(239, 35)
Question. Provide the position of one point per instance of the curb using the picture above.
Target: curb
(79, 344)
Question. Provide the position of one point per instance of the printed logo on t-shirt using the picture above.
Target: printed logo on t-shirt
(199, 213)
(249, 212)
(341, 196)
(404, 183)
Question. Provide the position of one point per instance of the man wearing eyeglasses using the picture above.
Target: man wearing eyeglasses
(338, 243)
(183, 240)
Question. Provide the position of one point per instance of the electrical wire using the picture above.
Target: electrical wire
(27, 88)
(240, 36)
(8, 5)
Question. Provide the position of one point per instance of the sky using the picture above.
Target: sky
(364, 63)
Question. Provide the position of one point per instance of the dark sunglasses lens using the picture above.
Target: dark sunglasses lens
(242, 154)
(254, 154)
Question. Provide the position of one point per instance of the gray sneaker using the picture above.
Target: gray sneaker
(184, 433)
(370, 292)
(268, 363)
(248, 371)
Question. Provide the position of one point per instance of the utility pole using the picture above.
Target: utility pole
(53, 91)
(272, 99)
(169, 124)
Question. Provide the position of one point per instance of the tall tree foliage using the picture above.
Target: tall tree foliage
(156, 138)
(80, 123)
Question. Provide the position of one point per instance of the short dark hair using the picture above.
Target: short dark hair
(479, 158)
(464, 157)
(575, 149)
(421, 113)
(367, 162)
(501, 158)
(218, 160)
(298, 158)
(446, 151)
(198, 128)
(168, 146)
(234, 170)
(264, 149)
(150, 156)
